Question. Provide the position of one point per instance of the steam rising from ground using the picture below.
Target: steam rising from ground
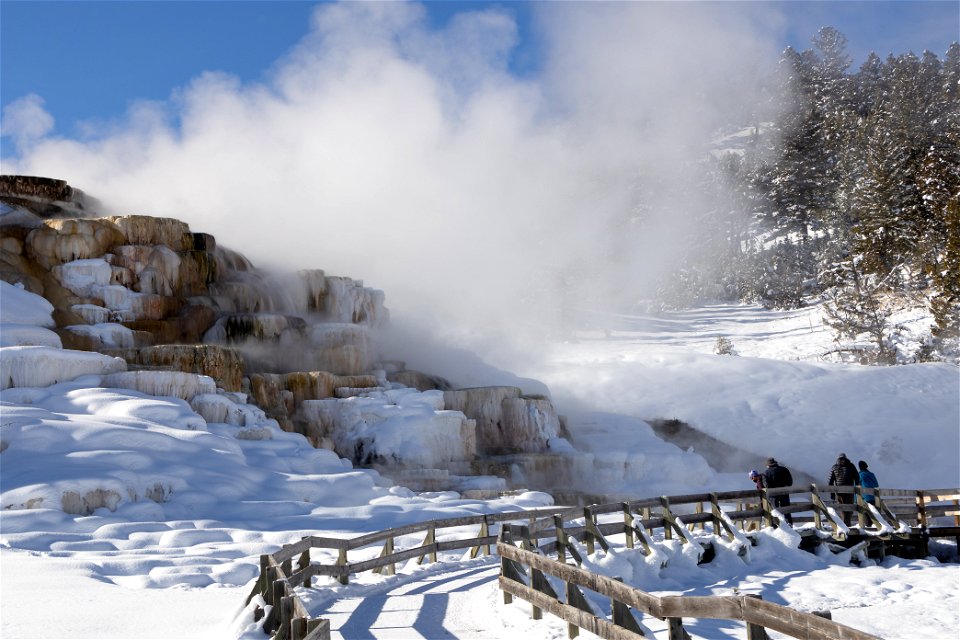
(412, 157)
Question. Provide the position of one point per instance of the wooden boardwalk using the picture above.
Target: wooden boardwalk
(532, 544)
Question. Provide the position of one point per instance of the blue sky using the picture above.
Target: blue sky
(90, 60)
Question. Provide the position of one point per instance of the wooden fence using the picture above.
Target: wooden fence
(523, 572)
(895, 514)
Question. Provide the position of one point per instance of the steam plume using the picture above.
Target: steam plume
(411, 157)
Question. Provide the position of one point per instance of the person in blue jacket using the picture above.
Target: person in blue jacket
(868, 481)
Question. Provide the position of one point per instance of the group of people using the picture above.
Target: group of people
(842, 474)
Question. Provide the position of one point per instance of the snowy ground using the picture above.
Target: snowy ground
(180, 567)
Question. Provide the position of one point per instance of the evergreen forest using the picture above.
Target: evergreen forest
(847, 192)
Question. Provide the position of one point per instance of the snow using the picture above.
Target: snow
(141, 505)
(36, 366)
(108, 335)
(20, 306)
(402, 426)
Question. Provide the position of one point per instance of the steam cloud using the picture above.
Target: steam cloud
(411, 157)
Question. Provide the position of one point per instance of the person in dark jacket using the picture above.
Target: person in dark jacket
(844, 474)
(868, 480)
(777, 476)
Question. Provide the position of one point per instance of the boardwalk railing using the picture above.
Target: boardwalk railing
(523, 572)
(895, 515)
(286, 615)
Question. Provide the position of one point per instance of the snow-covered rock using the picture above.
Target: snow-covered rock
(507, 421)
(44, 366)
(400, 427)
(83, 277)
(177, 384)
(17, 305)
(106, 335)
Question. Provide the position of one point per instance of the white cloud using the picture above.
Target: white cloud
(25, 120)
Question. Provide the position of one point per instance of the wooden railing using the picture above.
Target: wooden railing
(523, 572)
(286, 615)
(728, 514)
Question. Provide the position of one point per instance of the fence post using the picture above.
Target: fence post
(485, 531)
(861, 507)
(342, 562)
(628, 524)
(391, 569)
(756, 631)
(431, 539)
(561, 538)
(507, 567)
(667, 529)
(621, 615)
(675, 629)
(587, 533)
(298, 628)
(264, 566)
(268, 590)
(303, 563)
(817, 503)
(921, 511)
(715, 516)
(765, 506)
(286, 616)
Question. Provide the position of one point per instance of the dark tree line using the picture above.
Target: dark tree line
(849, 190)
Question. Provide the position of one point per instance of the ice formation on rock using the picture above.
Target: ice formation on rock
(397, 427)
(507, 421)
(198, 322)
(36, 366)
(175, 384)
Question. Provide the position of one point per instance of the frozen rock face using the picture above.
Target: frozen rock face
(283, 395)
(223, 364)
(98, 337)
(148, 230)
(59, 241)
(399, 427)
(507, 421)
(278, 344)
(176, 384)
(34, 197)
(38, 366)
(347, 300)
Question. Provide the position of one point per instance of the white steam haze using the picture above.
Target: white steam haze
(411, 157)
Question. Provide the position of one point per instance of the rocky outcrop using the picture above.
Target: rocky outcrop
(223, 364)
(197, 321)
(282, 396)
(34, 197)
(175, 384)
(507, 421)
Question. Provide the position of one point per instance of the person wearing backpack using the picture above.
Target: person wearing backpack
(778, 476)
(844, 474)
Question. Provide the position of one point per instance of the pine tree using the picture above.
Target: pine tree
(858, 309)
(945, 305)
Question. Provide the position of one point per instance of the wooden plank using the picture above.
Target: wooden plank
(639, 600)
(320, 629)
(797, 623)
(597, 626)
(716, 607)
(940, 495)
